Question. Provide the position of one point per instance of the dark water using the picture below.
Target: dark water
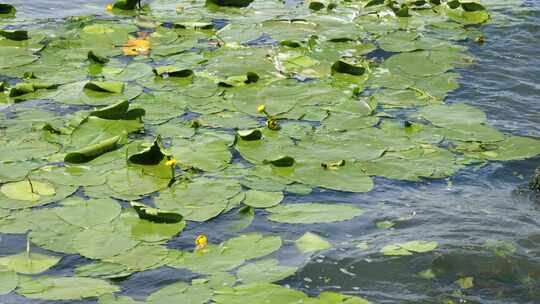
(462, 213)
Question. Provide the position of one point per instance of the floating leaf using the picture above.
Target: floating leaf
(28, 190)
(264, 271)
(96, 58)
(112, 299)
(32, 263)
(101, 242)
(152, 155)
(409, 248)
(88, 213)
(105, 86)
(88, 153)
(347, 67)
(118, 110)
(228, 255)
(253, 134)
(282, 161)
(262, 199)
(103, 270)
(181, 292)
(8, 281)
(311, 242)
(260, 293)
(310, 213)
(156, 215)
(63, 288)
(172, 71)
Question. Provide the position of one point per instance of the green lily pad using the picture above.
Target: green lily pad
(101, 242)
(28, 190)
(32, 263)
(260, 293)
(90, 152)
(311, 242)
(103, 270)
(264, 271)
(200, 199)
(262, 199)
(147, 231)
(310, 213)
(189, 294)
(141, 257)
(204, 151)
(112, 299)
(8, 281)
(156, 215)
(63, 288)
(229, 254)
(88, 213)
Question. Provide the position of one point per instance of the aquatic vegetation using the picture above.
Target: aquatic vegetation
(221, 108)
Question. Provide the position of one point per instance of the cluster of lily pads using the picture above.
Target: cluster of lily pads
(158, 106)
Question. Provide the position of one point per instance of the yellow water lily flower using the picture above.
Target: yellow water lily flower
(171, 162)
(137, 46)
(261, 108)
(109, 7)
(272, 124)
(201, 241)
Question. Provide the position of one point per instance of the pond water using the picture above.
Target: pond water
(484, 227)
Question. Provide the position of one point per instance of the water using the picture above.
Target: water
(462, 213)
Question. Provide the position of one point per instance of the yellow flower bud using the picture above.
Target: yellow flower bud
(201, 241)
(171, 162)
(109, 7)
(273, 124)
(261, 108)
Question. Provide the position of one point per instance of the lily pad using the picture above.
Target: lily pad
(156, 215)
(28, 190)
(8, 281)
(264, 271)
(311, 242)
(32, 263)
(88, 213)
(310, 213)
(63, 288)
(181, 292)
(262, 199)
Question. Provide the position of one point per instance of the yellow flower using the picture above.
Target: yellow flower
(261, 108)
(272, 124)
(171, 162)
(201, 241)
(109, 7)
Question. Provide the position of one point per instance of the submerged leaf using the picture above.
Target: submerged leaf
(310, 213)
(311, 242)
